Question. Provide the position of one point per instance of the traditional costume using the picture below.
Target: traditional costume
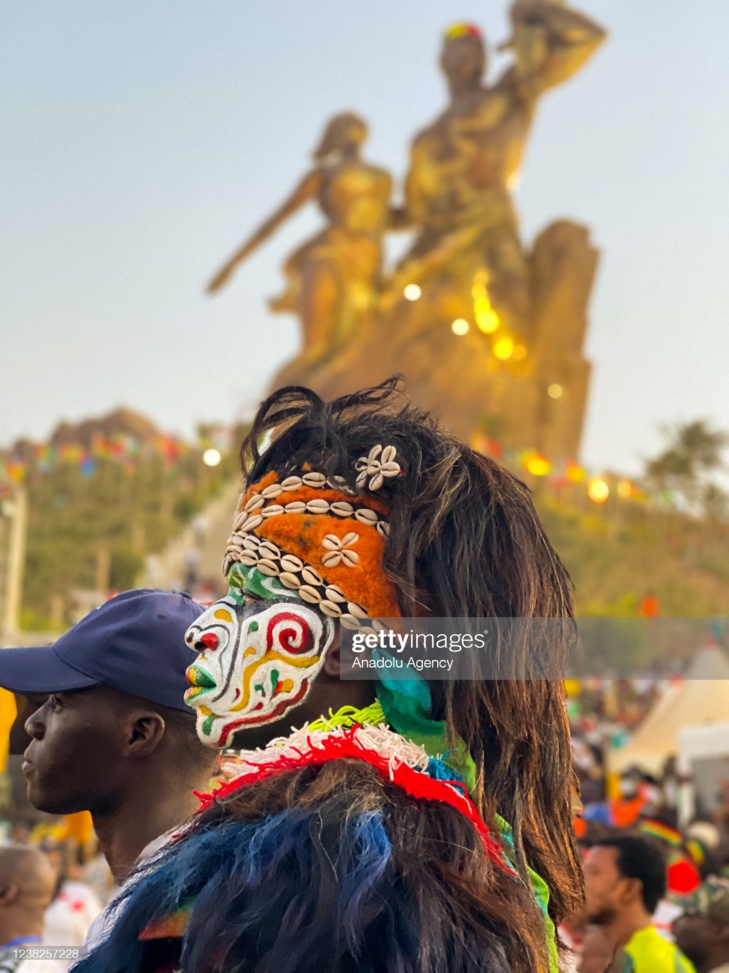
(355, 843)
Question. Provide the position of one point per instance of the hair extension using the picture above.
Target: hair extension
(465, 541)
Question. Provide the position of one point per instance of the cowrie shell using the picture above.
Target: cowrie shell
(329, 608)
(309, 594)
(295, 507)
(289, 580)
(317, 506)
(351, 538)
(357, 610)
(291, 483)
(341, 508)
(332, 559)
(350, 622)
(255, 521)
(254, 503)
(251, 543)
(350, 558)
(366, 516)
(314, 479)
(248, 559)
(311, 576)
(267, 549)
(267, 567)
(289, 562)
(388, 454)
(331, 542)
(334, 594)
(274, 510)
(271, 491)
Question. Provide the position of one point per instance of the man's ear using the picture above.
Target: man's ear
(632, 890)
(333, 657)
(144, 733)
(8, 894)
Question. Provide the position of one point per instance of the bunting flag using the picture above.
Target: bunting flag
(123, 449)
(566, 473)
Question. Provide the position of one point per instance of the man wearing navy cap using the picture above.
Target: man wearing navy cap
(114, 736)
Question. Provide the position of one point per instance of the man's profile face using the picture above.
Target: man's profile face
(604, 885)
(259, 650)
(69, 760)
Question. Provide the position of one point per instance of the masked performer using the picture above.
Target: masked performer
(405, 825)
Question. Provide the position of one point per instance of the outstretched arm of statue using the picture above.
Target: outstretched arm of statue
(551, 42)
(307, 189)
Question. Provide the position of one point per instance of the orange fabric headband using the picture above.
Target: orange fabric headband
(320, 539)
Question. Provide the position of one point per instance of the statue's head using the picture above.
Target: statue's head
(363, 508)
(344, 131)
(463, 58)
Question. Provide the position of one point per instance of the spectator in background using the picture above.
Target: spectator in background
(27, 884)
(625, 878)
(115, 737)
(702, 931)
(75, 905)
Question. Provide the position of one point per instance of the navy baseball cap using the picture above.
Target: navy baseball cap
(134, 643)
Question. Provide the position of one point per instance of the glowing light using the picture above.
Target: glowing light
(487, 319)
(575, 473)
(625, 489)
(520, 352)
(555, 391)
(538, 465)
(211, 457)
(412, 292)
(597, 490)
(460, 326)
(504, 348)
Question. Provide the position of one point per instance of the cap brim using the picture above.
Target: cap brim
(38, 670)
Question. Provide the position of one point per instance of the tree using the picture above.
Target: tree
(694, 451)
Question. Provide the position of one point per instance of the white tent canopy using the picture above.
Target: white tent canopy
(702, 699)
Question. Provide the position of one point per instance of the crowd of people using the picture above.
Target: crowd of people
(403, 824)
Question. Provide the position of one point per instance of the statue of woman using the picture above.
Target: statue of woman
(333, 280)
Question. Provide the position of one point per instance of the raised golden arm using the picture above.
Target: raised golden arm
(306, 190)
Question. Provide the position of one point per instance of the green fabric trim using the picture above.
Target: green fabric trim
(407, 704)
(541, 894)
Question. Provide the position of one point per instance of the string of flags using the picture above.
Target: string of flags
(123, 449)
(566, 473)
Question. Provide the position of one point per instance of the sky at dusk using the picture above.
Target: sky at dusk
(143, 140)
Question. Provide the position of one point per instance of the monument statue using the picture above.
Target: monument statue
(488, 335)
(457, 192)
(333, 280)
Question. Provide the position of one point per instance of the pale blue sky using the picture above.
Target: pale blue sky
(143, 139)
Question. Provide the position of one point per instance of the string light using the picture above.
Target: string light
(598, 490)
(504, 348)
(460, 326)
(211, 457)
(555, 391)
(412, 292)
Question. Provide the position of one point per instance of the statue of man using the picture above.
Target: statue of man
(333, 280)
(463, 165)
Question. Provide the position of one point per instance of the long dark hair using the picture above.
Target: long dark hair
(465, 541)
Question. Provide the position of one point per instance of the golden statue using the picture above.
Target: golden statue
(488, 334)
(464, 315)
(457, 192)
(333, 280)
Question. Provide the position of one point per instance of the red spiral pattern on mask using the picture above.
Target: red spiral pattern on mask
(289, 631)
